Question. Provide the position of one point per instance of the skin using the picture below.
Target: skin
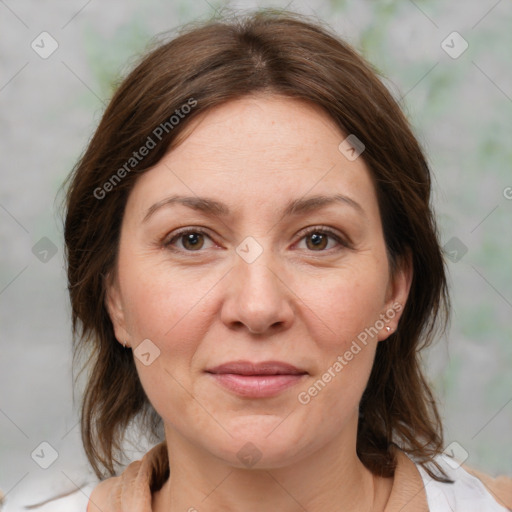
(202, 305)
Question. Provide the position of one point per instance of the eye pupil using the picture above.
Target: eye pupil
(190, 241)
(318, 240)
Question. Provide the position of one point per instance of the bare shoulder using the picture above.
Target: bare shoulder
(500, 487)
(101, 498)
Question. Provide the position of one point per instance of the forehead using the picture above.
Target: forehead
(265, 127)
(256, 150)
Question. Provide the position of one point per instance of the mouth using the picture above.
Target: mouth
(259, 369)
(257, 380)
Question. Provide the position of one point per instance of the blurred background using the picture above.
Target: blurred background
(448, 63)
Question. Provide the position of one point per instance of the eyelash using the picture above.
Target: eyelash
(314, 229)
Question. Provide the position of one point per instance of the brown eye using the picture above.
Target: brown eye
(317, 241)
(322, 239)
(192, 241)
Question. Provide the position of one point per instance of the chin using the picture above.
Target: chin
(267, 448)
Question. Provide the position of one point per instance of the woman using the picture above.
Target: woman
(254, 265)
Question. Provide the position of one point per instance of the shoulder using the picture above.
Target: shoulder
(471, 491)
(108, 495)
(134, 485)
(500, 487)
(102, 496)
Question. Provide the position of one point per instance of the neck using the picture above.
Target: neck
(331, 478)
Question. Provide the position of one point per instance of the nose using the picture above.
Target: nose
(257, 298)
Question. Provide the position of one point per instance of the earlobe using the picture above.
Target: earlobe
(398, 293)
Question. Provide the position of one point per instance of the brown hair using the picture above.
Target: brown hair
(207, 64)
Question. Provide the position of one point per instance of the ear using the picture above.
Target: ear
(114, 305)
(396, 295)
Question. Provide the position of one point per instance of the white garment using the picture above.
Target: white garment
(466, 494)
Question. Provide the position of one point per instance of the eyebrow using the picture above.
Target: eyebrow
(294, 207)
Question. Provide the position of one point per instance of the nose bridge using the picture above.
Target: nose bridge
(259, 299)
(258, 280)
(253, 264)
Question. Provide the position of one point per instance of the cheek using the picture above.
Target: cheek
(164, 303)
(345, 352)
(342, 303)
(168, 307)
(341, 312)
(172, 308)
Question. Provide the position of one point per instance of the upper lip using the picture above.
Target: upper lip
(263, 368)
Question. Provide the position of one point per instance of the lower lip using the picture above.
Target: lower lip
(256, 386)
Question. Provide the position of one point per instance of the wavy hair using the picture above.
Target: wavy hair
(213, 62)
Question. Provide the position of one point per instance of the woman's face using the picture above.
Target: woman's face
(284, 260)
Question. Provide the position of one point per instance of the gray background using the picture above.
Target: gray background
(461, 109)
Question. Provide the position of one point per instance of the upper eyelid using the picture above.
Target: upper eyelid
(183, 231)
(341, 238)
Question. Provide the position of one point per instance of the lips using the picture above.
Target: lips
(256, 380)
(263, 368)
